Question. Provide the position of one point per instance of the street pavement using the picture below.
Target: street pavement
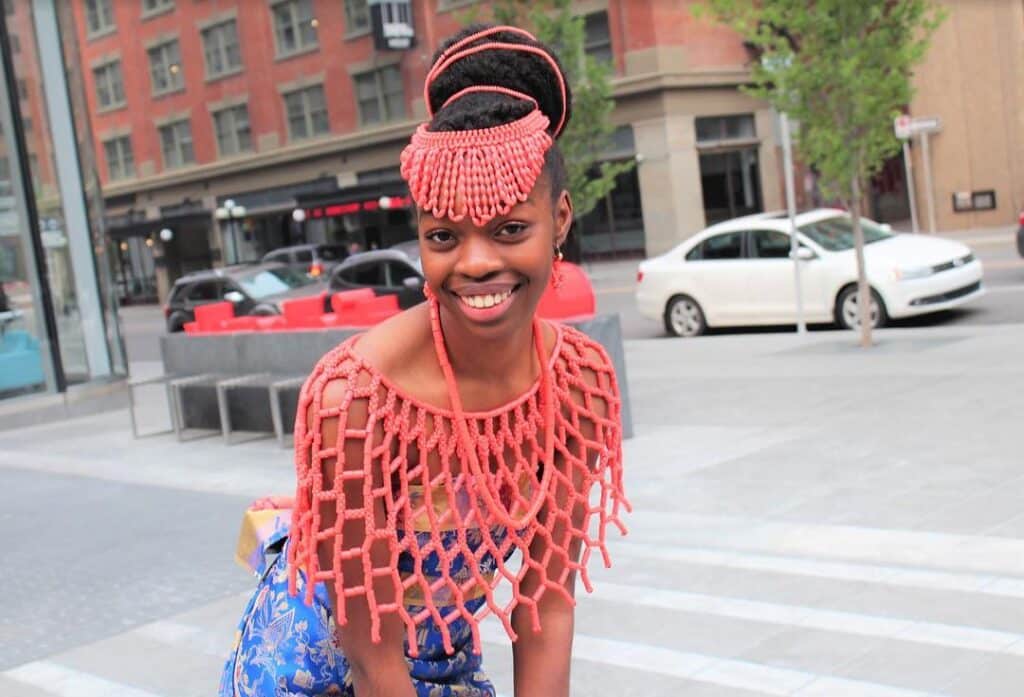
(811, 518)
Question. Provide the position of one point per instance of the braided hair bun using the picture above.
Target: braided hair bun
(522, 71)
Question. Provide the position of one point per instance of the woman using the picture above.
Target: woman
(434, 447)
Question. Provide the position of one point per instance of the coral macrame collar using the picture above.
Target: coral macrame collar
(479, 173)
(455, 495)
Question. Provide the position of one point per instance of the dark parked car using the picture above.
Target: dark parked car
(314, 260)
(386, 271)
(1020, 234)
(256, 289)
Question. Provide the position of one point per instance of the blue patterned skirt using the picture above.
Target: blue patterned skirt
(284, 647)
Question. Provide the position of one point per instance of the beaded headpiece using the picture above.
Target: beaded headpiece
(484, 172)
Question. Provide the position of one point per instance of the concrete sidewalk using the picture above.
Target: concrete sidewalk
(811, 519)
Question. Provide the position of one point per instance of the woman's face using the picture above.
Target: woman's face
(490, 279)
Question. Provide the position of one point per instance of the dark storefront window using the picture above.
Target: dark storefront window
(615, 227)
(729, 172)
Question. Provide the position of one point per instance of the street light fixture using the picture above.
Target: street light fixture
(232, 214)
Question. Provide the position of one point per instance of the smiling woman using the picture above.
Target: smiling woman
(456, 446)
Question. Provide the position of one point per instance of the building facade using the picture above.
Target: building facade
(281, 106)
(58, 322)
(972, 80)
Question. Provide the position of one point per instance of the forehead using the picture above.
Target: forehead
(537, 203)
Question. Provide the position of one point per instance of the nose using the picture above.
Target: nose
(478, 257)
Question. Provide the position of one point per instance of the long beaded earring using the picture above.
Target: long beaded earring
(556, 268)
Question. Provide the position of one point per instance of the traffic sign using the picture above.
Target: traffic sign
(907, 127)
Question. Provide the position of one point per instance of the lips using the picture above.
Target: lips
(485, 302)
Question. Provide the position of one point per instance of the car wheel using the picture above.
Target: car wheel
(848, 311)
(684, 317)
(176, 323)
(264, 311)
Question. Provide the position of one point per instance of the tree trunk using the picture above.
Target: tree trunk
(863, 289)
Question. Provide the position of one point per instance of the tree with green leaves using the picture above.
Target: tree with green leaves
(842, 70)
(590, 130)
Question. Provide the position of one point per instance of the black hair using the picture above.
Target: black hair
(518, 70)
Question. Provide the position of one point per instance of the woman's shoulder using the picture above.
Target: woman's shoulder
(581, 353)
(381, 354)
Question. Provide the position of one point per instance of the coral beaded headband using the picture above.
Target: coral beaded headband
(480, 173)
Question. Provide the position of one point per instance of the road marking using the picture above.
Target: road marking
(792, 566)
(838, 621)
(987, 240)
(615, 290)
(68, 682)
(910, 548)
(723, 672)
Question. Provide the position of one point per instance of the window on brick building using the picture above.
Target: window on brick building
(221, 49)
(232, 128)
(597, 38)
(120, 159)
(155, 7)
(99, 16)
(357, 16)
(380, 95)
(15, 43)
(22, 89)
(306, 110)
(26, 124)
(176, 144)
(294, 26)
(165, 67)
(109, 85)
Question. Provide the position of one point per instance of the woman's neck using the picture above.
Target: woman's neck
(508, 359)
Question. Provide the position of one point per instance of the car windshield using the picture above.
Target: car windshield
(330, 252)
(836, 234)
(272, 281)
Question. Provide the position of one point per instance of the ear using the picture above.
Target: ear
(563, 217)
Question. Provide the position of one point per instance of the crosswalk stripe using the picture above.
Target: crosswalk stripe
(723, 672)
(933, 633)
(63, 681)
(913, 548)
(983, 584)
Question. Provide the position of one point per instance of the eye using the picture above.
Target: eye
(511, 230)
(440, 237)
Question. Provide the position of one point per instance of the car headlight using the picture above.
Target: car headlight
(910, 273)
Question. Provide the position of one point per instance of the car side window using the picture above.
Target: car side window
(276, 257)
(304, 256)
(769, 244)
(205, 291)
(365, 275)
(728, 245)
(398, 272)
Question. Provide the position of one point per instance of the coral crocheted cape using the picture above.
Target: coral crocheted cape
(424, 507)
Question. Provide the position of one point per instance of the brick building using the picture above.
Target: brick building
(280, 105)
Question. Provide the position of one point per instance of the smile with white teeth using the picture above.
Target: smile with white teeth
(484, 301)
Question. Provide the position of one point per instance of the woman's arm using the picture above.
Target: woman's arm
(378, 669)
(542, 659)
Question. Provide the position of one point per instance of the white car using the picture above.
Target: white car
(740, 273)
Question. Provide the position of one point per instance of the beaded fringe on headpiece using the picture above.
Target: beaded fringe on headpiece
(479, 173)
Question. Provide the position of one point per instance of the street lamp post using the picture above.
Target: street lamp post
(232, 214)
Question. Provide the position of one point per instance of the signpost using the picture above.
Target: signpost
(906, 128)
(794, 244)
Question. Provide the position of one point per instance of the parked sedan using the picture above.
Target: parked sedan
(255, 289)
(739, 273)
(386, 271)
(314, 260)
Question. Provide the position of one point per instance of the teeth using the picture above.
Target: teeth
(484, 301)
